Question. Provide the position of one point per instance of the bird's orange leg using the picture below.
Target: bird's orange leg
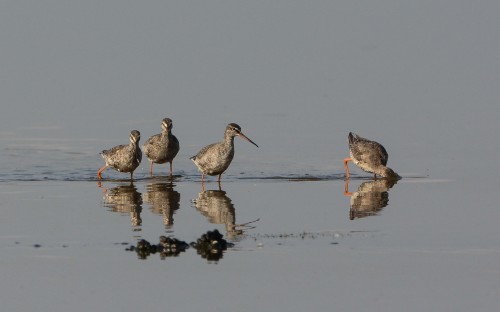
(202, 177)
(151, 169)
(218, 180)
(170, 169)
(346, 160)
(99, 176)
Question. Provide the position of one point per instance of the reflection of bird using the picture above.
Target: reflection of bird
(163, 147)
(217, 207)
(370, 198)
(369, 156)
(124, 158)
(164, 200)
(125, 199)
(215, 158)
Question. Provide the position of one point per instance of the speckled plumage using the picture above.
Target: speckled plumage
(123, 158)
(164, 200)
(370, 198)
(163, 147)
(215, 158)
(369, 156)
(217, 207)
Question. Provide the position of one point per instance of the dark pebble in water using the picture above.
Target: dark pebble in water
(37, 245)
(167, 247)
(211, 245)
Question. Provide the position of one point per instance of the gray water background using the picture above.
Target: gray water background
(421, 78)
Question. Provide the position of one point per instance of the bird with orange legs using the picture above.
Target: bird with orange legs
(163, 147)
(123, 158)
(215, 158)
(369, 156)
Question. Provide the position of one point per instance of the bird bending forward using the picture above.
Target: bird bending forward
(369, 156)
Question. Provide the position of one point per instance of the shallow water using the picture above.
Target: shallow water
(420, 79)
(298, 243)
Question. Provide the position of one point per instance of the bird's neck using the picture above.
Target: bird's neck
(228, 140)
(165, 134)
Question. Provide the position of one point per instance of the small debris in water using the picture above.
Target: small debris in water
(170, 246)
(211, 245)
(167, 247)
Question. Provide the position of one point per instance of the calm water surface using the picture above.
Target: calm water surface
(297, 240)
(421, 79)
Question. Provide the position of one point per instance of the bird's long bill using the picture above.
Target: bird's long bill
(246, 138)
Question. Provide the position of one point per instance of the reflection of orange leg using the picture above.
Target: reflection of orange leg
(99, 185)
(346, 189)
(346, 160)
(151, 169)
(99, 176)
